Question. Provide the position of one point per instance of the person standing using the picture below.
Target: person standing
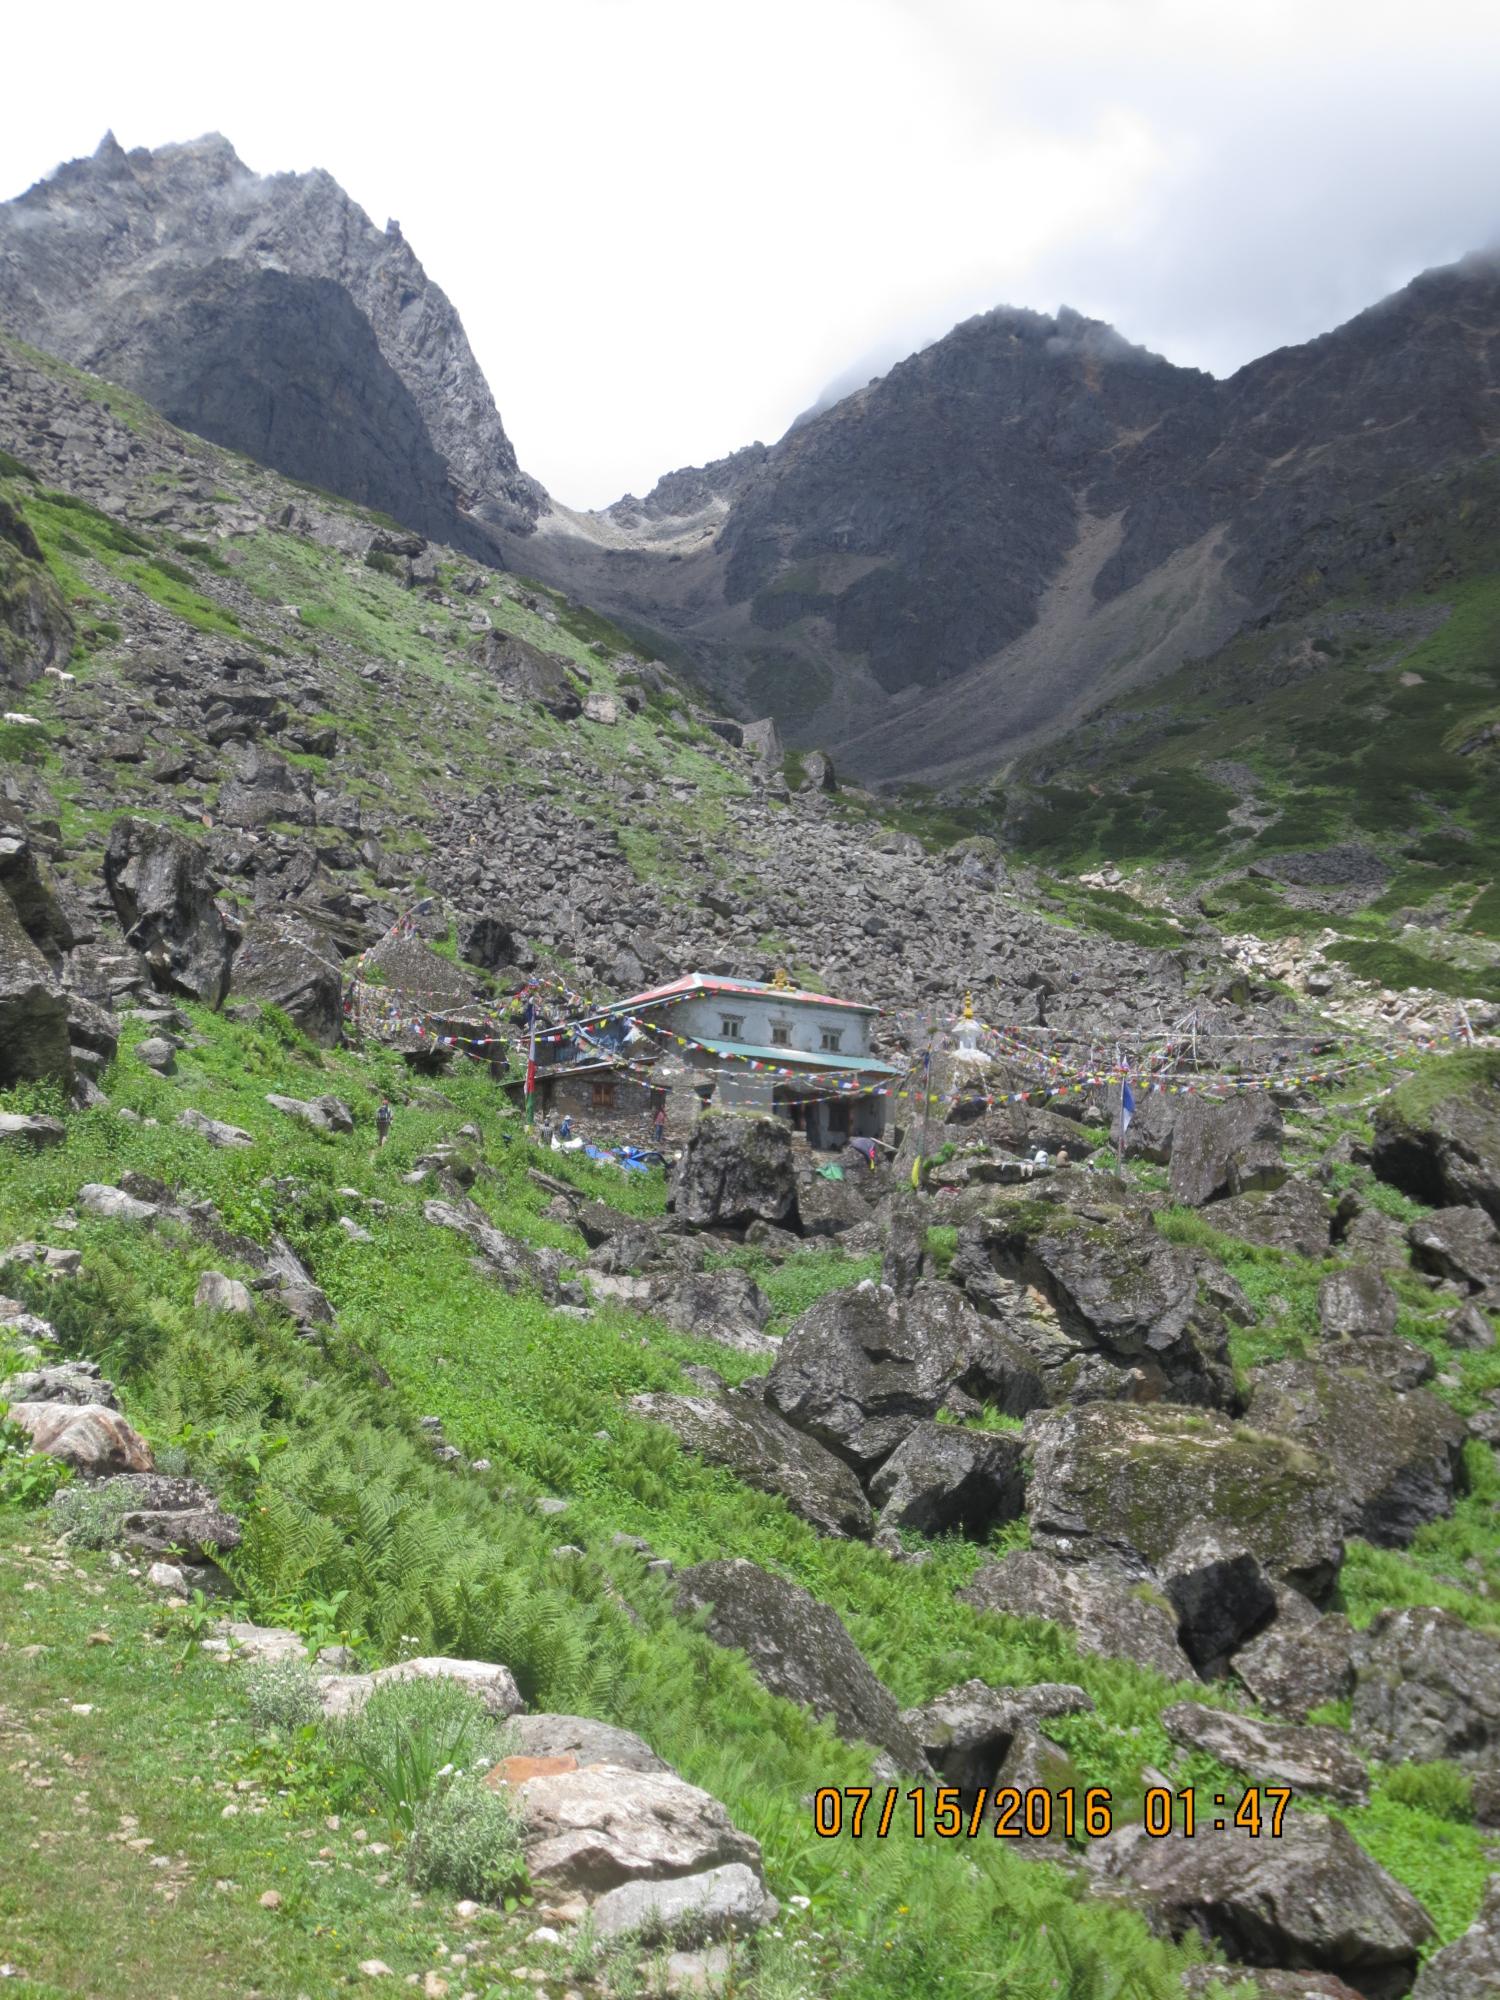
(383, 1120)
(659, 1126)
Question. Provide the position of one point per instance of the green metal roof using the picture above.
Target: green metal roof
(823, 1059)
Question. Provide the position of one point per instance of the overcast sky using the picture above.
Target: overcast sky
(669, 225)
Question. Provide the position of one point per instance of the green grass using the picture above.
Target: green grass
(148, 1776)
(345, 1508)
(340, 1496)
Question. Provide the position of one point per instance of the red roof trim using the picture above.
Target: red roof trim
(749, 989)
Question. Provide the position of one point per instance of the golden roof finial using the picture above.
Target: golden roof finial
(968, 1006)
(779, 980)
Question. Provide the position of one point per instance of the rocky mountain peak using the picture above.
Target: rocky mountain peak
(141, 265)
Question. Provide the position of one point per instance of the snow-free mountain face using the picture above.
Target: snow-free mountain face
(270, 314)
(949, 567)
(1032, 516)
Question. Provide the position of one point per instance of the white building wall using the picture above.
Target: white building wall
(761, 1014)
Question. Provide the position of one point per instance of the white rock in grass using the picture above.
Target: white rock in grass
(113, 1204)
(721, 1902)
(86, 1436)
(216, 1293)
(214, 1130)
(247, 1642)
(494, 1685)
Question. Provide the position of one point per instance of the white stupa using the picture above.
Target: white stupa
(966, 1049)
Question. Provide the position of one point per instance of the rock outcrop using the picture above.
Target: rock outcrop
(799, 1649)
(1311, 1898)
(163, 895)
(1115, 1485)
(861, 1369)
(736, 1170)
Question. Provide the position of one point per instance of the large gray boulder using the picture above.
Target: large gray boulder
(725, 1306)
(523, 672)
(862, 1368)
(1114, 1484)
(324, 1114)
(1427, 1686)
(262, 788)
(736, 1170)
(799, 1649)
(228, 1138)
(34, 1042)
(589, 1830)
(295, 967)
(163, 893)
(492, 1685)
(580, 1737)
(967, 1733)
(942, 1479)
(27, 881)
(737, 1430)
(33, 1132)
(1103, 1614)
(76, 1382)
(1445, 1151)
(724, 1902)
(1107, 1306)
(513, 1263)
(1293, 1217)
(1311, 1898)
(1391, 1457)
(1224, 1147)
(1469, 1968)
(1356, 1304)
(1221, 1595)
(1298, 1664)
(1461, 1244)
(1272, 1753)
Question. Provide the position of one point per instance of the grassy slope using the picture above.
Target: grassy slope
(432, 718)
(341, 1498)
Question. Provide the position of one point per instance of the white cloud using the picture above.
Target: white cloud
(668, 226)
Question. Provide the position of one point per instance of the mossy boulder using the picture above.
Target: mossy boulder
(736, 1170)
(1294, 1217)
(1114, 1290)
(1227, 1146)
(861, 1369)
(1391, 1457)
(1438, 1137)
(1118, 1485)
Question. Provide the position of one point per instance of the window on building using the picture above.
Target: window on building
(831, 1039)
(604, 1094)
(781, 1038)
(731, 1027)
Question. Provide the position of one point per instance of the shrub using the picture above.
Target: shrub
(408, 1735)
(27, 1478)
(465, 1839)
(281, 1694)
(1440, 1788)
(89, 1517)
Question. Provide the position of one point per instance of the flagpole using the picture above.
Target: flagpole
(531, 1064)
